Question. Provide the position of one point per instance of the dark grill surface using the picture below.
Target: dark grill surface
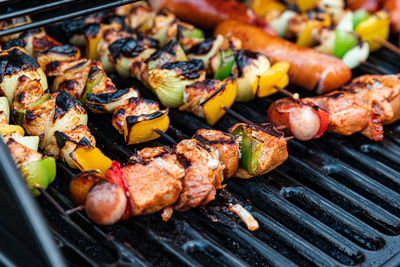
(335, 201)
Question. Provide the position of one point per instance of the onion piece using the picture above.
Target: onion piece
(245, 216)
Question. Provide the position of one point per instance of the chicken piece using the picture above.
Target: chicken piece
(63, 143)
(153, 178)
(227, 146)
(195, 94)
(265, 149)
(21, 154)
(349, 114)
(204, 174)
(57, 53)
(382, 94)
(60, 113)
(3, 118)
(295, 26)
(27, 93)
(73, 80)
(14, 64)
(138, 15)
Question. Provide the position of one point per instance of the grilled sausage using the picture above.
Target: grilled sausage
(394, 7)
(208, 13)
(309, 68)
(368, 5)
(106, 203)
(303, 121)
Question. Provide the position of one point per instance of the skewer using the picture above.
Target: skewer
(245, 120)
(165, 135)
(76, 209)
(388, 45)
(288, 93)
(51, 199)
(372, 66)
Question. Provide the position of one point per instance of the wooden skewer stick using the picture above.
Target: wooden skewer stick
(76, 209)
(50, 199)
(388, 45)
(374, 67)
(288, 93)
(245, 120)
(288, 138)
(165, 135)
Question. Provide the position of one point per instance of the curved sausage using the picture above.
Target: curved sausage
(309, 68)
(303, 121)
(368, 5)
(208, 13)
(394, 7)
(106, 203)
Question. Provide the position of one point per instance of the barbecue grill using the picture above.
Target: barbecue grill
(334, 202)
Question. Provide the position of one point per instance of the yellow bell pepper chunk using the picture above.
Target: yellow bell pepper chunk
(274, 76)
(305, 5)
(261, 7)
(91, 46)
(304, 38)
(223, 97)
(6, 129)
(377, 25)
(91, 158)
(142, 131)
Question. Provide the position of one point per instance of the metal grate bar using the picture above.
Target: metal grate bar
(62, 17)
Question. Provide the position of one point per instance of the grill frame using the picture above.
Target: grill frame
(214, 233)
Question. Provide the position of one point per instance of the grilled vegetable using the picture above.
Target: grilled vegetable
(356, 55)
(226, 62)
(137, 119)
(90, 158)
(274, 76)
(5, 108)
(359, 16)
(344, 41)
(41, 172)
(261, 150)
(206, 49)
(169, 80)
(57, 53)
(377, 25)
(6, 129)
(206, 98)
(17, 63)
(249, 67)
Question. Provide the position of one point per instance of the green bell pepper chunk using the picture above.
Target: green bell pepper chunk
(41, 172)
(19, 115)
(251, 149)
(344, 41)
(193, 34)
(359, 16)
(92, 81)
(227, 61)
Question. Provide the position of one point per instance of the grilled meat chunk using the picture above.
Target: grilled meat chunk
(21, 154)
(227, 146)
(153, 178)
(66, 141)
(57, 53)
(204, 174)
(61, 112)
(382, 94)
(262, 150)
(28, 92)
(14, 64)
(137, 118)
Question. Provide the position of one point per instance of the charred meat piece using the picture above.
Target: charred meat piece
(137, 118)
(66, 141)
(14, 64)
(227, 146)
(204, 174)
(261, 149)
(57, 53)
(381, 92)
(61, 112)
(153, 178)
(21, 154)
(27, 93)
(349, 114)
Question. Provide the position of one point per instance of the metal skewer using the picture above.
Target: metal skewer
(51, 199)
(76, 209)
(295, 96)
(165, 136)
(374, 67)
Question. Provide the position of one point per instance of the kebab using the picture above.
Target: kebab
(180, 177)
(177, 80)
(364, 105)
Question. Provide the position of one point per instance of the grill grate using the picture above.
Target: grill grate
(334, 202)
